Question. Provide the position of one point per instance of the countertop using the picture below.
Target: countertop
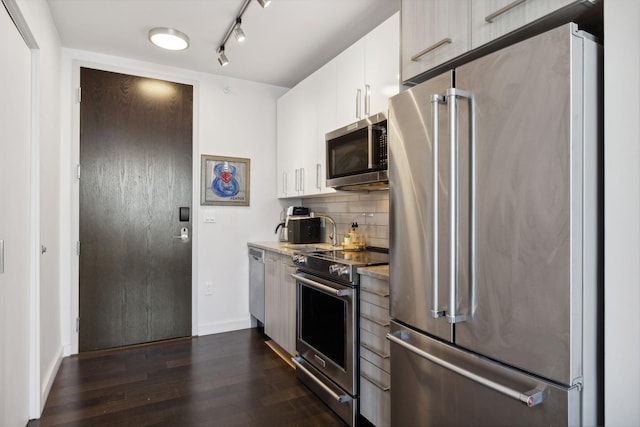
(378, 271)
(290, 248)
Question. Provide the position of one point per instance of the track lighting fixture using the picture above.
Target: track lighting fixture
(222, 58)
(236, 29)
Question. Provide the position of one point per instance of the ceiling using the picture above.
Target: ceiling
(285, 42)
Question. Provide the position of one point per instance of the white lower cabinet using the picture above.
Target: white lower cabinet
(375, 365)
(280, 301)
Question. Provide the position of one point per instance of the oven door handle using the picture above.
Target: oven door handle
(323, 288)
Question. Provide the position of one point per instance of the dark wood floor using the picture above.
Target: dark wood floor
(228, 379)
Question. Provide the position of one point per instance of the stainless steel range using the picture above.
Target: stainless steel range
(327, 324)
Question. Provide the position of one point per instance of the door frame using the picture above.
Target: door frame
(74, 235)
(36, 398)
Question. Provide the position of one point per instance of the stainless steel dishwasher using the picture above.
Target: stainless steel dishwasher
(256, 283)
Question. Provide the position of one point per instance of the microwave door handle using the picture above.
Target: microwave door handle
(436, 100)
(370, 147)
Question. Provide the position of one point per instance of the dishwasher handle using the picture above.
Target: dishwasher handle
(257, 254)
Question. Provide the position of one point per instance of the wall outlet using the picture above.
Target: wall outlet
(208, 288)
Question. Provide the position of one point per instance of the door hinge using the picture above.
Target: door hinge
(79, 95)
(78, 171)
(78, 247)
(77, 324)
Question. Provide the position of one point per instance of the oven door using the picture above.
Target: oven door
(326, 330)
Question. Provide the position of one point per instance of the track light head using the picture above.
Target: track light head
(222, 58)
(237, 31)
(264, 3)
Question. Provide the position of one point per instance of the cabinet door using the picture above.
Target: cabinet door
(297, 124)
(350, 84)
(272, 310)
(288, 305)
(287, 150)
(382, 65)
(491, 19)
(433, 32)
(326, 107)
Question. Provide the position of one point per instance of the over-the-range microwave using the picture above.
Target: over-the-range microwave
(357, 155)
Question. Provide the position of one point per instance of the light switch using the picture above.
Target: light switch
(209, 216)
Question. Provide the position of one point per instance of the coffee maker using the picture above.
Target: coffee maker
(300, 226)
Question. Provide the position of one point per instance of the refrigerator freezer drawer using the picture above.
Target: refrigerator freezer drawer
(437, 384)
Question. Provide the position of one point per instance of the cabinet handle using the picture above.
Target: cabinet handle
(489, 18)
(358, 99)
(374, 351)
(297, 182)
(318, 179)
(284, 183)
(367, 100)
(374, 382)
(383, 294)
(302, 179)
(377, 322)
(430, 48)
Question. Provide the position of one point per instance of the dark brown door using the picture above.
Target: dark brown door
(136, 174)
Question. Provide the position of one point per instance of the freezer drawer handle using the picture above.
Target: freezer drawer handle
(529, 398)
(340, 399)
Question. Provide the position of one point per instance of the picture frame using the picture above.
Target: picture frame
(224, 181)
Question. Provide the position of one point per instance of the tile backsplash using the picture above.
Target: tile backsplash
(370, 210)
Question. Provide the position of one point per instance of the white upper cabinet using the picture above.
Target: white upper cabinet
(297, 123)
(368, 73)
(326, 100)
(433, 32)
(326, 110)
(382, 65)
(494, 18)
(350, 84)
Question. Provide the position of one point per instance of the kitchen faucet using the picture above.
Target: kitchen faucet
(334, 234)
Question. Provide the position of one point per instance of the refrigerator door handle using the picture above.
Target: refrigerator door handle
(452, 99)
(436, 100)
(530, 398)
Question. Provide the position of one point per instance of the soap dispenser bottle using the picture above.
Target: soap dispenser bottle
(355, 236)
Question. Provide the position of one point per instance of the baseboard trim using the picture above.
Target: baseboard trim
(216, 328)
(49, 378)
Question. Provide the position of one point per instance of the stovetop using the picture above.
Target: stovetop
(357, 258)
(339, 265)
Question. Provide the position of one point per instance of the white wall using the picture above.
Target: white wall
(622, 212)
(231, 118)
(46, 332)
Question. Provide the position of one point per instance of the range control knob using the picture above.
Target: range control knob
(343, 271)
(299, 259)
(334, 269)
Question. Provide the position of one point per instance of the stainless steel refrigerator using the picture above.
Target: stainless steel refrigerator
(495, 263)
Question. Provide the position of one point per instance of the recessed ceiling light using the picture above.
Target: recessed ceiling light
(168, 38)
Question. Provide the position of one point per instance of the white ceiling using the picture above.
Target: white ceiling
(285, 42)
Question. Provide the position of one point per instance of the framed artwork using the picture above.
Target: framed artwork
(224, 181)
